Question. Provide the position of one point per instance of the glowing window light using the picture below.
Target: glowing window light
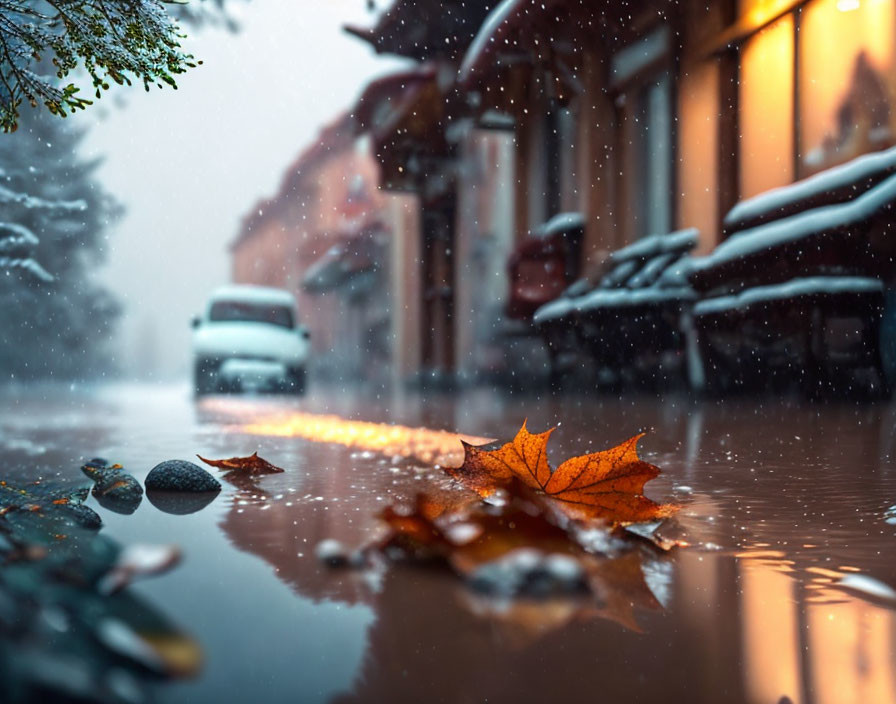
(847, 5)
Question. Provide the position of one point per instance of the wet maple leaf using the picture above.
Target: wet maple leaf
(607, 485)
(415, 532)
(472, 536)
(466, 541)
(253, 464)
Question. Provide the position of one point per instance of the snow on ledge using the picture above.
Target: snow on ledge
(623, 297)
(835, 178)
(796, 227)
(813, 285)
(561, 222)
(650, 273)
(485, 36)
(556, 309)
(658, 244)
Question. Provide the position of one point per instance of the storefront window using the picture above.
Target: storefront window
(847, 85)
(647, 141)
(698, 137)
(766, 109)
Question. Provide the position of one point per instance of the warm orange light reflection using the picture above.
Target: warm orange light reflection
(422, 444)
(766, 109)
(850, 646)
(698, 138)
(770, 628)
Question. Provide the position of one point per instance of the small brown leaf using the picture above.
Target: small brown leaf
(251, 465)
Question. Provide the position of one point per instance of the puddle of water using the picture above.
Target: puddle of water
(787, 592)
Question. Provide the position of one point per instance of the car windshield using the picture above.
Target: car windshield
(233, 311)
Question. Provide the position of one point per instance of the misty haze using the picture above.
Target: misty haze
(448, 350)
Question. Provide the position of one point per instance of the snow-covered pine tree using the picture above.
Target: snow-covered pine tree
(53, 211)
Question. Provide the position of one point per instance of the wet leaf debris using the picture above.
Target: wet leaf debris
(522, 535)
(70, 629)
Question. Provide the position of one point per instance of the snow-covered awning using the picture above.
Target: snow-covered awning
(424, 29)
(678, 241)
(814, 286)
(494, 33)
(406, 115)
(511, 35)
(839, 183)
(385, 99)
(818, 222)
(357, 253)
(631, 298)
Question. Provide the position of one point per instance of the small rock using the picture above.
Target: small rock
(890, 515)
(332, 553)
(139, 561)
(125, 506)
(83, 516)
(179, 475)
(180, 503)
(496, 578)
(564, 568)
(526, 572)
(358, 559)
(113, 487)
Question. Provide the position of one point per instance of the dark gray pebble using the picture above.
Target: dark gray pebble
(179, 503)
(83, 516)
(113, 484)
(179, 475)
(332, 553)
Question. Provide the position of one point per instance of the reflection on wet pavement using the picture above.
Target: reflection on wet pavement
(787, 591)
(425, 445)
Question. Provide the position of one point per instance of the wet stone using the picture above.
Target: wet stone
(83, 516)
(890, 515)
(179, 503)
(113, 486)
(332, 553)
(179, 475)
(526, 572)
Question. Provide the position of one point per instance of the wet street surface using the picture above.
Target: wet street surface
(786, 592)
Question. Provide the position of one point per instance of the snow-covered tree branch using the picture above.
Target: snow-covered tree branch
(112, 41)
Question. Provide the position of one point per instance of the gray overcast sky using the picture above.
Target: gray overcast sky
(188, 164)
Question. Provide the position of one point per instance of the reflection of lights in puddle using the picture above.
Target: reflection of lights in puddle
(422, 444)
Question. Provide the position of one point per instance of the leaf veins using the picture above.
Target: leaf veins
(607, 485)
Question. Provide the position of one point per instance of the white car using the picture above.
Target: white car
(249, 338)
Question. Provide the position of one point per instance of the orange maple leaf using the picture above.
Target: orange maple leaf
(607, 485)
(253, 464)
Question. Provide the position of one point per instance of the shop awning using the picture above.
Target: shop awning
(406, 114)
(552, 34)
(520, 36)
(385, 99)
(356, 255)
(424, 29)
(497, 33)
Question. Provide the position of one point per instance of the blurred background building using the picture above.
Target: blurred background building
(622, 120)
